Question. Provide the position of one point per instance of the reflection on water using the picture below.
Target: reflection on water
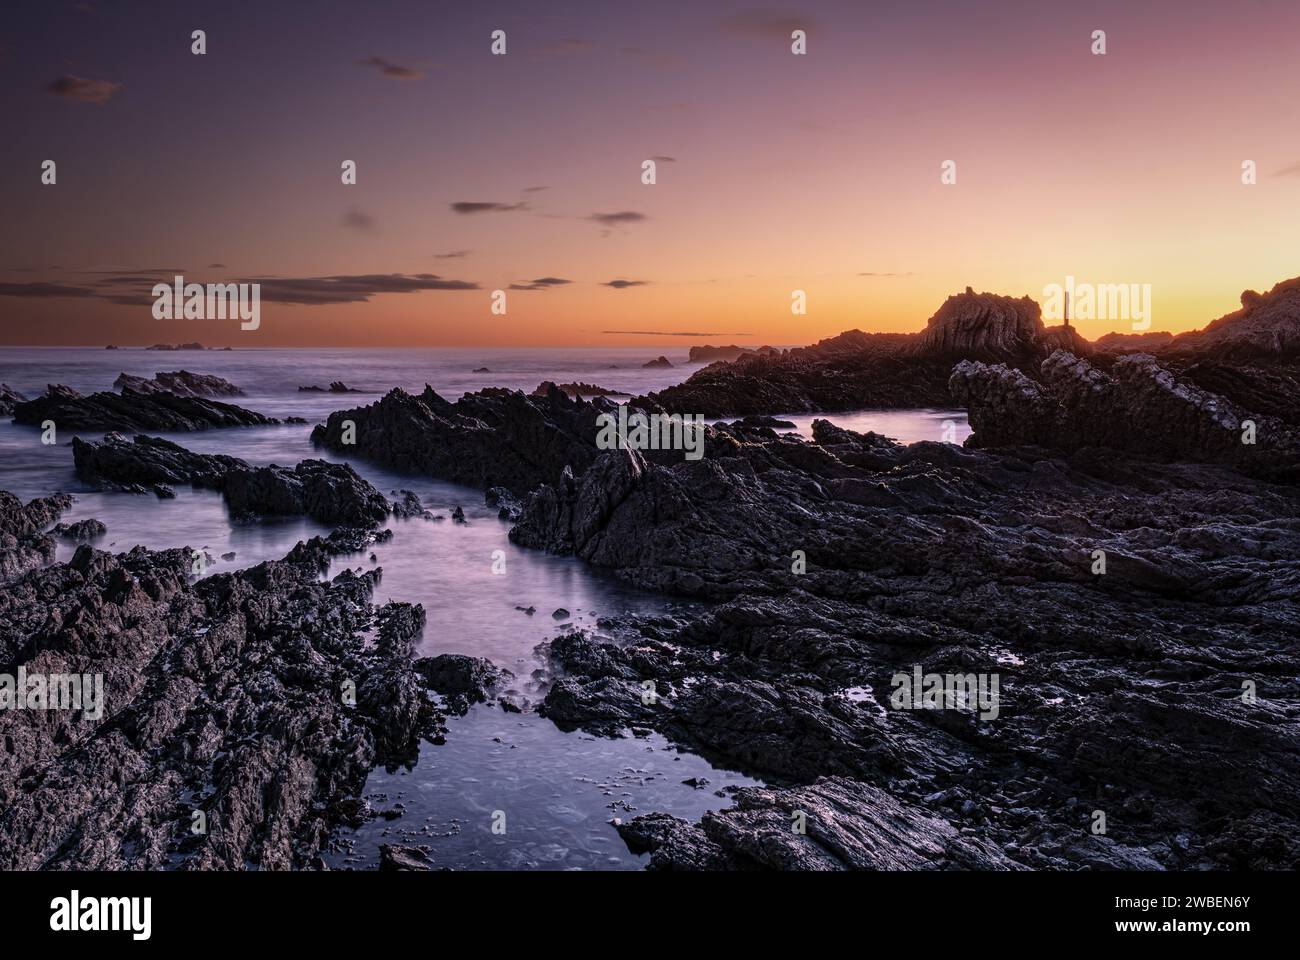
(558, 790)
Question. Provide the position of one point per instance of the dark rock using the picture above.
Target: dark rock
(228, 695)
(9, 398)
(462, 680)
(81, 531)
(710, 354)
(131, 412)
(182, 383)
(661, 362)
(577, 389)
(336, 386)
(393, 857)
(22, 546)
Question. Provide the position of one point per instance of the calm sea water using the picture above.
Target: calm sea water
(559, 790)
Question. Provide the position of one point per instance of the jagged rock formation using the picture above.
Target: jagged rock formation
(225, 696)
(131, 412)
(491, 438)
(336, 386)
(8, 398)
(577, 389)
(1266, 327)
(1138, 406)
(23, 546)
(332, 493)
(711, 354)
(180, 382)
(858, 370)
(659, 362)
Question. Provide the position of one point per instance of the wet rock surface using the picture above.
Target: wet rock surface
(251, 698)
(23, 546)
(131, 412)
(1138, 611)
(182, 383)
(491, 438)
(332, 493)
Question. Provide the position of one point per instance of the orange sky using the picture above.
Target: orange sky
(789, 172)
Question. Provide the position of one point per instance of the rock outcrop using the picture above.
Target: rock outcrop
(254, 703)
(332, 493)
(182, 383)
(23, 546)
(491, 438)
(131, 412)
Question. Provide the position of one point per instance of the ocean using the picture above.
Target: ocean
(560, 789)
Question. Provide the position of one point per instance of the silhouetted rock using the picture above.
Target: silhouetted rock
(180, 382)
(332, 493)
(577, 389)
(9, 397)
(660, 362)
(132, 412)
(711, 354)
(336, 386)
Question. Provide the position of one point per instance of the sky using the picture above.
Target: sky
(775, 172)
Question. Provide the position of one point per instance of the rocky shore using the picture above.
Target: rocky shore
(1115, 553)
(132, 411)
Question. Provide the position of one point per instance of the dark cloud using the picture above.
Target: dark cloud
(672, 333)
(452, 255)
(618, 219)
(44, 290)
(664, 159)
(624, 284)
(664, 61)
(358, 220)
(486, 206)
(567, 45)
(1292, 170)
(541, 283)
(216, 266)
(87, 91)
(764, 23)
(535, 189)
(351, 289)
(394, 71)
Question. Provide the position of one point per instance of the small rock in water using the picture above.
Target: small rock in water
(561, 614)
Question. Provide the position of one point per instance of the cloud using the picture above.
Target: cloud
(216, 266)
(764, 23)
(350, 289)
(672, 333)
(663, 61)
(44, 290)
(486, 206)
(567, 45)
(535, 189)
(618, 219)
(624, 284)
(358, 220)
(907, 274)
(300, 290)
(87, 91)
(664, 159)
(394, 71)
(541, 283)
(1293, 170)
(453, 255)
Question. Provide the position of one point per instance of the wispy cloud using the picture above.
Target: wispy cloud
(907, 274)
(541, 283)
(35, 290)
(359, 220)
(80, 88)
(567, 45)
(1292, 170)
(764, 23)
(486, 206)
(671, 333)
(453, 255)
(393, 71)
(621, 218)
(624, 284)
